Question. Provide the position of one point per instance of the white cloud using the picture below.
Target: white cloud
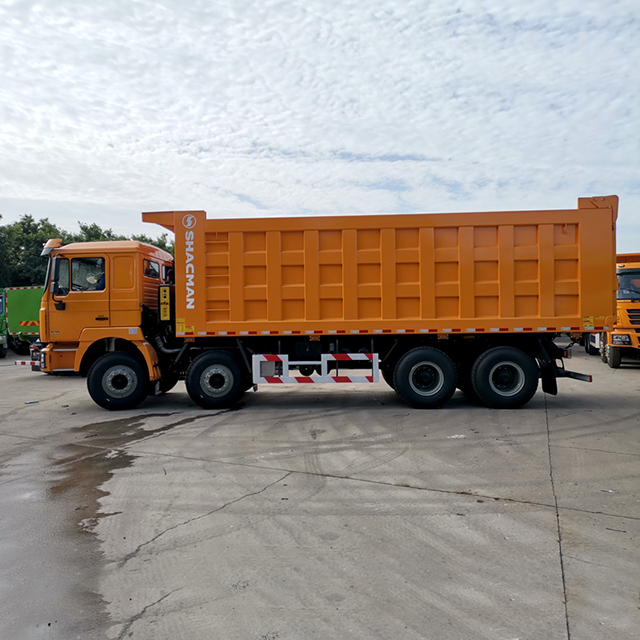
(272, 108)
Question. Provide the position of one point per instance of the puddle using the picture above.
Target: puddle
(50, 559)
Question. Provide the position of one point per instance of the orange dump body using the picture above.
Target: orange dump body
(527, 271)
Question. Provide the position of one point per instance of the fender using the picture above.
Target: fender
(130, 334)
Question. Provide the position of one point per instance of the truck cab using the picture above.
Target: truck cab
(624, 338)
(101, 297)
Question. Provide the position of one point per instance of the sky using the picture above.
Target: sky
(249, 108)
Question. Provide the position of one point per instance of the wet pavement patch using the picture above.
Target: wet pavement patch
(50, 504)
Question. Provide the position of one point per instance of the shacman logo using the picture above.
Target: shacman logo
(189, 221)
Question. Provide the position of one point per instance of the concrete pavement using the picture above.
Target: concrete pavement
(320, 513)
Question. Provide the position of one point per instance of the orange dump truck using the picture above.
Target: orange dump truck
(430, 301)
(623, 339)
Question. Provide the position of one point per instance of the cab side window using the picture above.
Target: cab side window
(87, 274)
(151, 269)
(63, 277)
(168, 274)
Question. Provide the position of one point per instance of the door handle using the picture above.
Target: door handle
(101, 318)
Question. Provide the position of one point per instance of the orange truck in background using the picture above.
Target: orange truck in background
(432, 302)
(623, 339)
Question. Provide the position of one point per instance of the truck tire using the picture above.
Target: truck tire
(117, 381)
(589, 348)
(614, 356)
(214, 380)
(425, 378)
(21, 348)
(603, 347)
(3, 353)
(504, 378)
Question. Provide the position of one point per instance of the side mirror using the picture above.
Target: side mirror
(55, 271)
(54, 288)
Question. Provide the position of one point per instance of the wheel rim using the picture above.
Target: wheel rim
(216, 380)
(507, 379)
(119, 381)
(426, 379)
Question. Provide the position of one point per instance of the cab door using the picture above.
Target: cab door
(83, 290)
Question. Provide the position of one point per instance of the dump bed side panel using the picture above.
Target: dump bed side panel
(472, 272)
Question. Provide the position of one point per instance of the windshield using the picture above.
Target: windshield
(628, 285)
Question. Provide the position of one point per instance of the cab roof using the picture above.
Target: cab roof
(115, 246)
(628, 260)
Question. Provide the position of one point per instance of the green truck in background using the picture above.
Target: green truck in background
(19, 318)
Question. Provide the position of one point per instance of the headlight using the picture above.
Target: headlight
(43, 360)
(620, 338)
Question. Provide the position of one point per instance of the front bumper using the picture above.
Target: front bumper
(627, 338)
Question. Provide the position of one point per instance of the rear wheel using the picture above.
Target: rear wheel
(504, 378)
(306, 370)
(614, 356)
(214, 380)
(425, 378)
(117, 381)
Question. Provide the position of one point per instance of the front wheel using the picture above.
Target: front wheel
(425, 378)
(117, 381)
(614, 356)
(603, 347)
(3, 353)
(214, 380)
(504, 378)
(590, 348)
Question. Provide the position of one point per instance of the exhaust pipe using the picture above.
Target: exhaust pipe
(162, 349)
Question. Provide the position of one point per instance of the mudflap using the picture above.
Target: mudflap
(548, 377)
(548, 368)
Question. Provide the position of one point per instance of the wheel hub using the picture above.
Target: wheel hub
(507, 378)
(426, 378)
(216, 380)
(119, 382)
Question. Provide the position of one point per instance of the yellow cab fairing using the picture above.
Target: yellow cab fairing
(127, 288)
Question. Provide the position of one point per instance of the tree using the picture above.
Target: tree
(162, 242)
(4, 261)
(92, 233)
(22, 243)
